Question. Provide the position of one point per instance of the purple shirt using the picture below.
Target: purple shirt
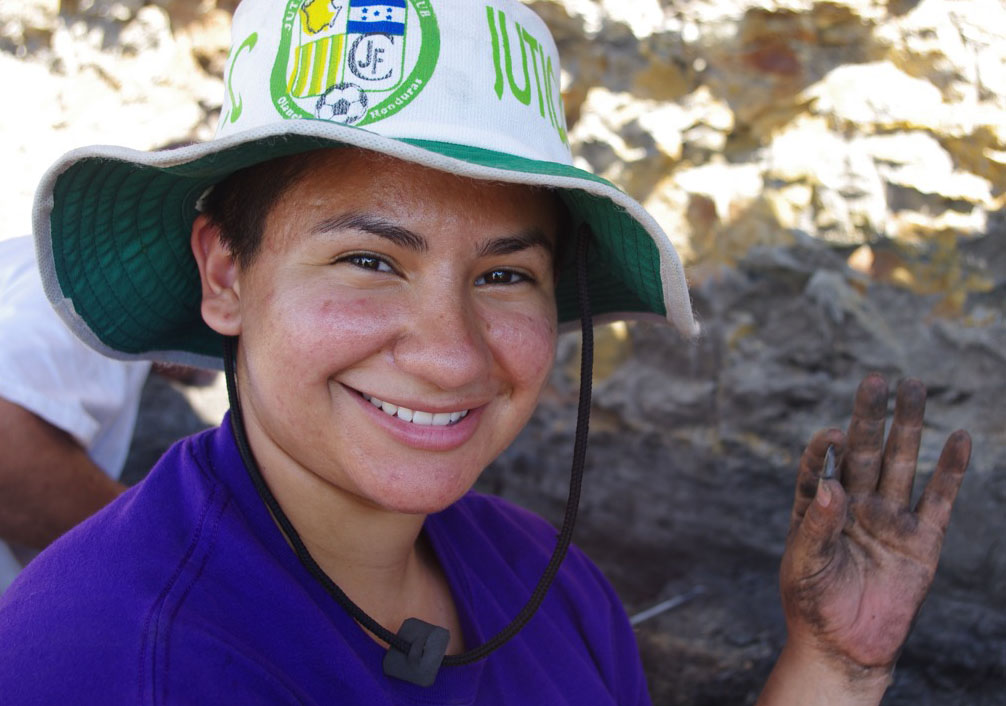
(183, 591)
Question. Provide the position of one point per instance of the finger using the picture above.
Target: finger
(901, 451)
(865, 443)
(938, 498)
(814, 543)
(811, 463)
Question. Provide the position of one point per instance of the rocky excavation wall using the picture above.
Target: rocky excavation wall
(834, 175)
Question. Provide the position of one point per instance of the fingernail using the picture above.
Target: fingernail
(829, 463)
(823, 496)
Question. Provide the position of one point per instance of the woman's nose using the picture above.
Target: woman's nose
(445, 343)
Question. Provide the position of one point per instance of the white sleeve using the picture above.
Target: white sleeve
(48, 371)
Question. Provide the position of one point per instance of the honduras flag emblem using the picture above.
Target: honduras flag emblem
(376, 16)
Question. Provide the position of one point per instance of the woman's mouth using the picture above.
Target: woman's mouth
(420, 417)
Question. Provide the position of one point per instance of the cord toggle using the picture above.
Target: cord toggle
(427, 647)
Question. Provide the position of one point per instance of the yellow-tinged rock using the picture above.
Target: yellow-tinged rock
(665, 123)
(37, 14)
(660, 80)
(668, 204)
(726, 184)
(874, 97)
(862, 259)
(806, 150)
(643, 17)
(790, 203)
(930, 265)
(980, 146)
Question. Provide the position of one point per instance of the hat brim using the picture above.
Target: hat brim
(112, 230)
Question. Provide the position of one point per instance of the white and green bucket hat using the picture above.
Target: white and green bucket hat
(466, 87)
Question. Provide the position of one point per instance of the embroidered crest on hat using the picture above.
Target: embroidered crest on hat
(353, 62)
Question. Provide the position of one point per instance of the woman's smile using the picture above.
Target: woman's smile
(417, 416)
(420, 429)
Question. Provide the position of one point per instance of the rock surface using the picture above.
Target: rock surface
(834, 174)
(700, 496)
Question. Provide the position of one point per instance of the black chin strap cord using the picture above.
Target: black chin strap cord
(397, 642)
(240, 435)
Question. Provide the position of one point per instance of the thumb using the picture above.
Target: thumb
(815, 541)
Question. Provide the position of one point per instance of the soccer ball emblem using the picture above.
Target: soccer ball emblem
(342, 103)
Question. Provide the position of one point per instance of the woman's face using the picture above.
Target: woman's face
(383, 283)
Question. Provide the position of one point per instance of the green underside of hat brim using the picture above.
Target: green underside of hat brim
(120, 242)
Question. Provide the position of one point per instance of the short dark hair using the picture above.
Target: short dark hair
(240, 204)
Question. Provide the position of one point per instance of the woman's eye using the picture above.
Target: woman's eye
(500, 277)
(369, 262)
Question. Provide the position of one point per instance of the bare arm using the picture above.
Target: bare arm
(48, 484)
(859, 559)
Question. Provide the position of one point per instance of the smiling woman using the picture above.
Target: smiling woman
(377, 278)
(384, 286)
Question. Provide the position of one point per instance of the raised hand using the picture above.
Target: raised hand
(859, 560)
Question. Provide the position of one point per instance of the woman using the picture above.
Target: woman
(380, 245)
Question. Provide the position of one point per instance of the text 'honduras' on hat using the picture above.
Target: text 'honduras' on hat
(462, 86)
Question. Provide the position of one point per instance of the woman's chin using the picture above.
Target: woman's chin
(417, 497)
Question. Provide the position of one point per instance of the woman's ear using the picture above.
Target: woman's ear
(218, 271)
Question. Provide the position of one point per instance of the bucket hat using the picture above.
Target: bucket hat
(464, 87)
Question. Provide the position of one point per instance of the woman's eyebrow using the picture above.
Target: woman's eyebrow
(375, 226)
(530, 238)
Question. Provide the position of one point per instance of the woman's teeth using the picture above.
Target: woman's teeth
(440, 419)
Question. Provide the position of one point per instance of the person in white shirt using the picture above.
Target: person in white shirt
(66, 417)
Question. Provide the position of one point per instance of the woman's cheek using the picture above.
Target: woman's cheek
(341, 329)
(525, 344)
